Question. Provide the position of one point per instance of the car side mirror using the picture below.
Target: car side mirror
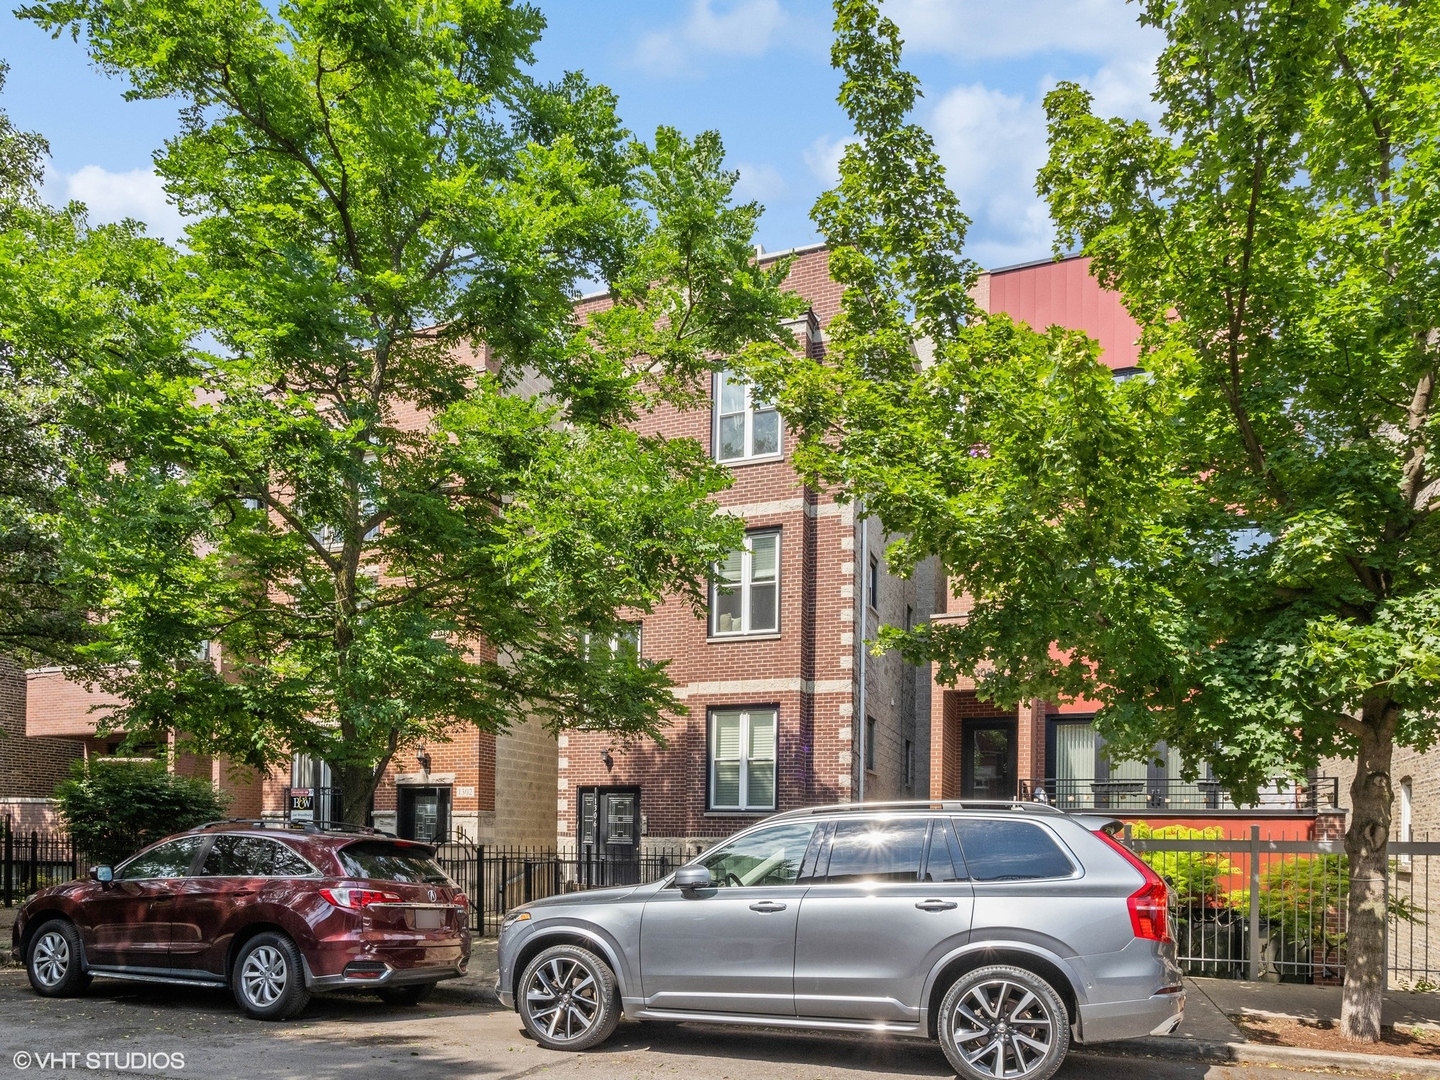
(693, 877)
(103, 874)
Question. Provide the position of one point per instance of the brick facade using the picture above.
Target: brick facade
(809, 671)
(29, 768)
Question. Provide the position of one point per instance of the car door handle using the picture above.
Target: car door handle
(936, 905)
(767, 906)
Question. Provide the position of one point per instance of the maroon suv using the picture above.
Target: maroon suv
(272, 912)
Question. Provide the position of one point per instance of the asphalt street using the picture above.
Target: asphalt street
(128, 1029)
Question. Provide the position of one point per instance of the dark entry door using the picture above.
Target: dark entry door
(987, 759)
(424, 814)
(610, 835)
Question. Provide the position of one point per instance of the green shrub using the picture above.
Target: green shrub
(113, 809)
(1197, 879)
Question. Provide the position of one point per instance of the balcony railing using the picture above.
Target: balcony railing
(1183, 796)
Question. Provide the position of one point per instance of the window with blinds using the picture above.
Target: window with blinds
(742, 759)
(745, 595)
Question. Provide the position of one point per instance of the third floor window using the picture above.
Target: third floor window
(745, 426)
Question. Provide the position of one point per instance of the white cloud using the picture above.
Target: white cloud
(992, 144)
(113, 196)
(737, 28)
(983, 29)
(822, 157)
(759, 182)
(1123, 88)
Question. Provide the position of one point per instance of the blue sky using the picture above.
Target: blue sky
(756, 70)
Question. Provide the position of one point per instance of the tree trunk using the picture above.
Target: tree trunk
(1366, 843)
(357, 784)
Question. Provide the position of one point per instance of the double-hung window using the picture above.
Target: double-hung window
(745, 594)
(745, 426)
(742, 759)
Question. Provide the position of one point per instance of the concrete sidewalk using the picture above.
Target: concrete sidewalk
(1208, 1034)
(1230, 997)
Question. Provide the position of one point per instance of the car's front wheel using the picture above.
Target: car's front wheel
(53, 960)
(1003, 1021)
(268, 979)
(568, 999)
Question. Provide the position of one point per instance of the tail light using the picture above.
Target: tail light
(461, 901)
(1150, 904)
(358, 899)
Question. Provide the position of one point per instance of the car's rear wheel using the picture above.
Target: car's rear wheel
(1003, 1022)
(568, 999)
(268, 979)
(413, 994)
(53, 960)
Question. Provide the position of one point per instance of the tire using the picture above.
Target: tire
(268, 978)
(1007, 1017)
(54, 960)
(568, 999)
(413, 994)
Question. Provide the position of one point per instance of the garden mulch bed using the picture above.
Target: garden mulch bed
(1420, 1042)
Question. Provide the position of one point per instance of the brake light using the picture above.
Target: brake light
(1150, 904)
(357, 899)
(461, 900)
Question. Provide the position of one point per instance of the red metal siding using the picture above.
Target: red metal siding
(1064, 294)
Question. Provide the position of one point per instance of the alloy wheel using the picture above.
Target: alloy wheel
(51, 958)
(563, 998)
(1002, 1029)
(264, 976)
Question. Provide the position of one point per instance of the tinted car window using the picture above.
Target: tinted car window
(380, 861)
(765, 857)
(1010, 851)
(252, 856)
(170, 860)
(877, 851)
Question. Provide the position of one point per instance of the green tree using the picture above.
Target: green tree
(114, 808)
(1237, 553)
(38, 617)
(405, 485)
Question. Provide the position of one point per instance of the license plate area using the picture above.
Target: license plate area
(429, 918)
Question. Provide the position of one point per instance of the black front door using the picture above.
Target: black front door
(610, 835)
(424, 814)
(987, 759)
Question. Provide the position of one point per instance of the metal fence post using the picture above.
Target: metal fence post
(1254, 972)
(1385, 932)
(9, 862)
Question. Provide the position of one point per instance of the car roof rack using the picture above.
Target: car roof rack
(254, 823)
(343, 827)
(1022, 805)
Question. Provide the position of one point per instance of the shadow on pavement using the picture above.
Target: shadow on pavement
(867, 1053)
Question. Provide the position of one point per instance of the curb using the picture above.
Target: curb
(1244, 1053)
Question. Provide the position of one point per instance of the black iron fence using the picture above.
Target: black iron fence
(1243, 907)
(497, 879)
(1181, 796)
(32, 860)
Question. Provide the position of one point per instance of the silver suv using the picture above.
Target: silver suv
(1004, 930)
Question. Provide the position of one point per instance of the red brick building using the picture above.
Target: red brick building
(784, 707)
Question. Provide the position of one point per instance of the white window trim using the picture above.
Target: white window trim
(744, 759)
(746, 575)
(1407, 815)
(750, 411)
